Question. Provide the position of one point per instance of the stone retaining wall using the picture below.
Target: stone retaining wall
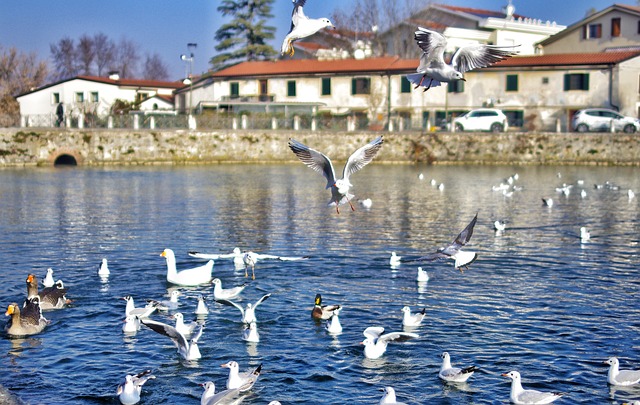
(19, 147)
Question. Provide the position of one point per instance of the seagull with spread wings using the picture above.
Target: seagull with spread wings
(302, 27)
(322, 164)
(434, 68)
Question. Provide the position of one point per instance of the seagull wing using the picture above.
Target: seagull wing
(261, 300)
(196, 336)
(428, 258)
(262, 257)
(399, 336)
(361, 157)
(315, 160)
(373, 332)
(141, 378)
(292, 258)
(205, 256)
(433, 45)
(297, 14)
(233, 304)
(220, 396)
(466, 233)
(478, 56)
(162, 328)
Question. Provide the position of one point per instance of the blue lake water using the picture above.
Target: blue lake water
(537, 300)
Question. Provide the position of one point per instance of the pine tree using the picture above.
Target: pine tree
(245, 36)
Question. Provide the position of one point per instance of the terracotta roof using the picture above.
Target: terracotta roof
(478, 12)
(568, 59)
(309, 46)
(132, 82)
(433, 25)
(312, 66)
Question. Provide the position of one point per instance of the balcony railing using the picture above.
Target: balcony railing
(249, 98)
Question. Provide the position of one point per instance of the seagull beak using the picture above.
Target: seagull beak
(463, 79)
(504, 375)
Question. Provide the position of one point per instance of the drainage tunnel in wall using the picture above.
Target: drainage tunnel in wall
(65, 160)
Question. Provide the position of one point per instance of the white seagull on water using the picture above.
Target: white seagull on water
(188, 349)
(389, 397)
(621, 377)
(520, 396)
(322, 164)
(376, 342)
(433, 67)
(103, 270)
(220, 293)
(302, 27)
(209, 396)
(409, 319)
(453, 251)
(129, 391)
(241, 381)
(454, 374)
(48, 279)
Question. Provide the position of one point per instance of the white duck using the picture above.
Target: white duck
(189, 277)
(333, 324)
(409, 319)
(220, 293)
(520, 396)
(188, 349)
(241, 381)
(129, 391)
(454, 374)
(376, 342)
(621, 377)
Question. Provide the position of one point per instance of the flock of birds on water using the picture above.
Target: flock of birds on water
(27, 319)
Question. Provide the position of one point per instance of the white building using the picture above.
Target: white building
(90, 96)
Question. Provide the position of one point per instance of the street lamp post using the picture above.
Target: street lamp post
(189, 80)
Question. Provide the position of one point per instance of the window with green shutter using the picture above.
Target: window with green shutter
(360, 85)
(234, 89)
(405, 85)
(456, 86)
(512, 83)
(576, 81)
(291, 88)
(326, 86)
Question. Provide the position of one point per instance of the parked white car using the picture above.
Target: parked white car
(483, 119)
(600, 119)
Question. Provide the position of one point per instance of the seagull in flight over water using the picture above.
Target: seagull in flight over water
(302, 27)
(433, 67)
(322, 164)
(453, 251)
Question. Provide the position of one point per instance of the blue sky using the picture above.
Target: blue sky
(166, 26)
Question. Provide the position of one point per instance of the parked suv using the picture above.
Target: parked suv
(600, 119)
(483, 119)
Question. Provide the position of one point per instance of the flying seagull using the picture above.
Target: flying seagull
(433, 67)
(302, 27)
(462, 259)
(322, 164)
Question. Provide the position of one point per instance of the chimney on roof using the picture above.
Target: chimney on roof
(114, 75)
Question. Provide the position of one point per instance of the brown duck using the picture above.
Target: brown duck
(50, 297)
(27, 321)
(320, 311)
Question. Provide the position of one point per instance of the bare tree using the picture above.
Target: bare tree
(86, 54)
(154, 68)
(19, 73)
(63, 55)
(105, 51)
(127, 58)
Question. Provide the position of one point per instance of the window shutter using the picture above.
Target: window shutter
(585, 81)
(567, 82)
(353, 86)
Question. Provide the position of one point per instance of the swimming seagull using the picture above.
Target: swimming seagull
(131, 324)
(521, 396)
(209, 396)
(320, 311)
(322, 164)
(131, 309)
(170, 304)
(250, 333)
(499, 226)
(248, 313)
(220, 293)
(584, 234)
(376, 342)
(621, 377)
(423, 276)
(242, 381)
(129, 391)
(366, 203)
(433, 66)
(103, 270)
(395, 260)
(462, 259)
(631, 194)
(389, 397)
(454, 374)
(409, 319)
(547, 201)
(333, 325)
(48, 279)
(188, 277)
(188, 349)
(302, 27)
(186, 330)
(201, 308)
